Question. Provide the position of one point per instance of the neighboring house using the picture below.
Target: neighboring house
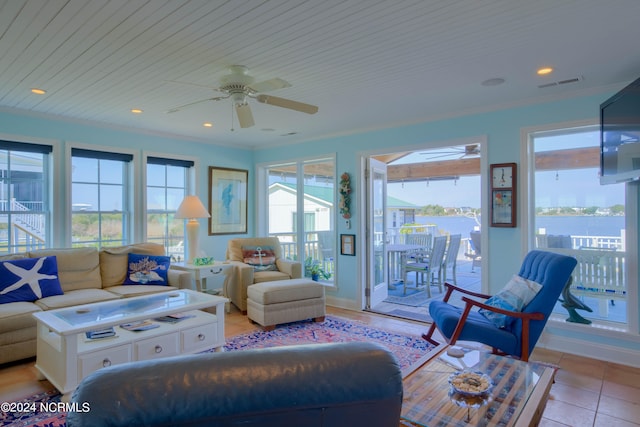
(318, 205)
(400, 212)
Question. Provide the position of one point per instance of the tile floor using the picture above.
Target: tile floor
(586, 392)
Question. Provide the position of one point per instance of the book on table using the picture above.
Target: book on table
(100, 333)
(141, 325)
(175, 317)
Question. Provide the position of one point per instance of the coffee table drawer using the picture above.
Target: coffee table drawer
(199, 338)
(158, 346)
(90, 362)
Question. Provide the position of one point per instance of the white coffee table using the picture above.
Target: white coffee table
(65, 356)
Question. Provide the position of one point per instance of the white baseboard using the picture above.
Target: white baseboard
(607, 353)
(347, 304)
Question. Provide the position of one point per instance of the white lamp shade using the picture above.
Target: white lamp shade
(191, 207)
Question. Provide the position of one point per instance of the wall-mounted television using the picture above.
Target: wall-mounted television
(620, 136)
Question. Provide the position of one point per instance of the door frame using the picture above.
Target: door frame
(362, 157)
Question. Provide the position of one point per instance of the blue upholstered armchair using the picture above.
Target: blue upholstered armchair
(522, 329)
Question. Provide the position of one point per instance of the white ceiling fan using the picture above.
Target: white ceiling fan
(239, 86)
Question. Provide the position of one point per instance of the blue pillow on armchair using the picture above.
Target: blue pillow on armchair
(516, 294)
(29, 279)
(147, 270)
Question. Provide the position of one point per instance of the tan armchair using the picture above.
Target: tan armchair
(246, 275)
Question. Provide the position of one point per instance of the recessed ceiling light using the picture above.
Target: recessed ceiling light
(207, 125)
(38, 91)
(136, 111)
(493, 82)
(544, 71)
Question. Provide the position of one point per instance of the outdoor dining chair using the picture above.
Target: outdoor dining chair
(426, 266)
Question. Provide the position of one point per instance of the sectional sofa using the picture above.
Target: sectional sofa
(86, 275)
(310, 385)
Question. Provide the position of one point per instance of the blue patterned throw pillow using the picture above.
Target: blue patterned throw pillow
(147, 270)
(29, 279)
(513, 297)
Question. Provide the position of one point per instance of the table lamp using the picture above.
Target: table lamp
(192, 208)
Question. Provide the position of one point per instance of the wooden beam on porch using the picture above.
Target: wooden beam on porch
(437, 169)
(575, 158)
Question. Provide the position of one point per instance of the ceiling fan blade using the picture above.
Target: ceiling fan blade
(181, 107)
(245, 118)
(287, 103)
(269, 85)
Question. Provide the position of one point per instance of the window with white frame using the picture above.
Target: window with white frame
(24, 207)
(303, 186)
(575, 215)
(100, 211)
(167, 185)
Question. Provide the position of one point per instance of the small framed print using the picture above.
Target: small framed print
(503, 194)
(348, 244)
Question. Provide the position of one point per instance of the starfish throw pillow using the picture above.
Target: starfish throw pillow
(29, 279)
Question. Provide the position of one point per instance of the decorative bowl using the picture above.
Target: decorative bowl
(471, 383)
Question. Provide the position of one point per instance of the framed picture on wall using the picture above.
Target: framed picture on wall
(348, 244)
(227, 201)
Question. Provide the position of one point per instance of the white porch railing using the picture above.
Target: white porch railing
(600, 273)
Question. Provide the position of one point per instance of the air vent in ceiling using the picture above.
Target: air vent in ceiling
(561, 82)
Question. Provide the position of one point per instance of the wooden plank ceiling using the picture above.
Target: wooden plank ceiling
(367, 64)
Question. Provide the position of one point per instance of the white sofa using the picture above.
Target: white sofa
(86, 275)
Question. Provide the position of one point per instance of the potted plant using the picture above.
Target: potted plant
(315, 270)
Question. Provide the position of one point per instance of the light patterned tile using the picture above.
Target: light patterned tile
(621, 391)
(576, 396)
(618, 408)
(603, 420)
(578, 380)
(582, 365)
(568, 414)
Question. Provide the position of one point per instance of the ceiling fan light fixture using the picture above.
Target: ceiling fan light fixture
(239, 98)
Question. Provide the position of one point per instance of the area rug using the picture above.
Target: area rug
(410, 351)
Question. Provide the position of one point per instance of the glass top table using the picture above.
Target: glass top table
(90, 316)
(517, 398)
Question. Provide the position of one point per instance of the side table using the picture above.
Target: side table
(200, 273)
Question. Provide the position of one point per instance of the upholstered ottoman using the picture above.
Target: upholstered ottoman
(283, 301)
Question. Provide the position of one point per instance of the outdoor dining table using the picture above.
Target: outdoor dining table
(396, 256)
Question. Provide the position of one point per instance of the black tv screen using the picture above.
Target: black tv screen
(620, 136)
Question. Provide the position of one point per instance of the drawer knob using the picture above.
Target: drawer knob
(106, 362)
(215, 271)
(158, 349)
(201, 337)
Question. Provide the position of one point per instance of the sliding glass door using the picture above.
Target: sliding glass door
(300, 200)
